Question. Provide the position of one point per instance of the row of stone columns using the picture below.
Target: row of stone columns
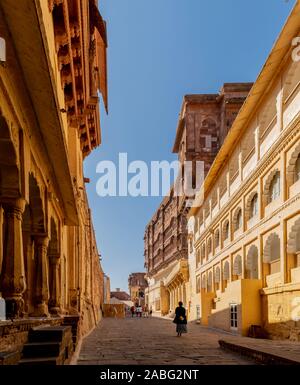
(177, 294)
(13, 280)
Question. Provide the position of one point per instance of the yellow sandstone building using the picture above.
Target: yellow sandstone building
(244, 231)
(50, 78)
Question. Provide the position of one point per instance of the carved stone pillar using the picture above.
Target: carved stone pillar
(13, 283)
(54, 303)
(42, 277)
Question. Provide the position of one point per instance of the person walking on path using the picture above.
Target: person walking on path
(139, 311)
(146, 311)
(132, 309)
(180, 320)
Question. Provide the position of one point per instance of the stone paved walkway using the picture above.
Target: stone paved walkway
(150, 341)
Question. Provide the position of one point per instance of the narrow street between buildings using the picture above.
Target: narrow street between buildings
(153, 341)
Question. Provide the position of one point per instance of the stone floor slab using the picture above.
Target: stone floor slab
(153, 341)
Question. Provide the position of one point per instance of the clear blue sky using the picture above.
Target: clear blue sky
(160, 50)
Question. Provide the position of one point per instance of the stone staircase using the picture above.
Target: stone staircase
(49, 345)
(73, 321)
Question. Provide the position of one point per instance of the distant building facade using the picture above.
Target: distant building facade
(203, 124)
(137, 285)
(244, 237)
(120, 295)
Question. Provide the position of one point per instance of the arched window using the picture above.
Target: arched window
(226, 274)
(198, 257)
(254, 206)
(293, 246)
(217, 275)
(203, 252)
(217, 238)
(226, 230)
(272, 253)
(275, 187)
(209, 246)
(209, 282)
(237, 266)
(238, 220)
(252, 263)
(204, 282)
(198, 284)
(217, 278)
(297, 169)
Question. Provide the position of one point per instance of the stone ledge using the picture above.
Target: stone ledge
(282, 288)
(9, 358)
(259, 354)
(24, 325)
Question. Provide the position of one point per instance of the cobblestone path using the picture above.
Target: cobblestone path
(148, 341)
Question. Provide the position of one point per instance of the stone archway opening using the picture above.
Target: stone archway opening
(293, 169)
(217, 278)
(271, 190)
(251, 209)
(293, 253)
(226, 275)
(204, 283)
(210, 282)
(252, 263)
(271, 257)
(237, 267)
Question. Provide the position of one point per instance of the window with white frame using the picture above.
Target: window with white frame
(233, 316)
(198, 312)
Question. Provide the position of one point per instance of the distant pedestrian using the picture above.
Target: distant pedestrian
(139, 311)
(180, 320)
(132, 309)
(146, 311)
(150, 312)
